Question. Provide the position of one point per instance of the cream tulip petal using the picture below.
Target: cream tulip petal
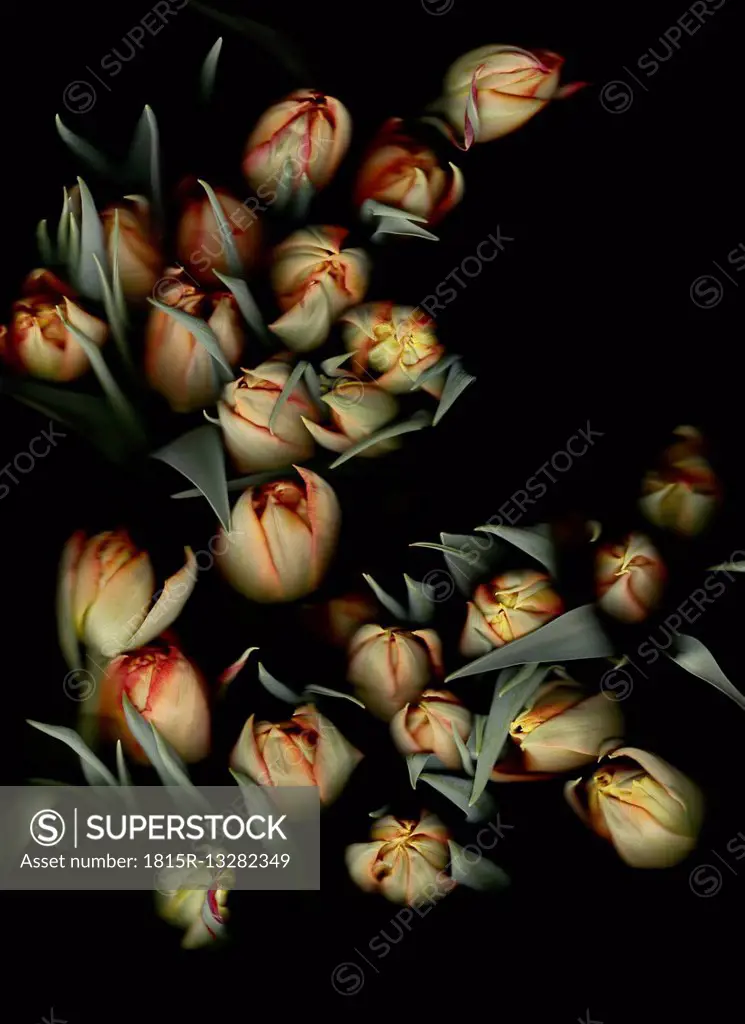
(253, 449)
(639, 840)
(395, 885)
(176, 592)
(246, 757)
(336, 759)
(290, 544)
(66, 631)
(246, 562)
(434, 647)
(422, 876)
(324, 513)
(360, 859)
(477, 638)
(572, 798)
(328, 439)
(121, 607)
(678, 785)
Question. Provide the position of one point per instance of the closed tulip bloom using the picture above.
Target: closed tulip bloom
(429, 726)
(303, 138)
(391, 667)
(357, 410)
(106, 590)
(167, 690)
(630, 577)
(493, 90)
(392, 344)
(404, 860)
(37, 342)
(306, 751)
(245, 409)
(287, 534)
(562, 728)
(200, 243)
(651, 812)
(506, 608)
(402, 172)
(200, 913)
(683, 494)
(177, 365)
(139, 257)
(315, 280)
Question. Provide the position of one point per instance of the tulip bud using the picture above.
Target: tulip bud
(507, 608)
(106, 588)
(167, 690)
(200, 242)
(315, 280)
(139, 257)
(684, 493)
(393, 345)
(651, 812)
(429, 727)
(630, 578)
(399, 171)
(306, 751)
(287, 536)
(404, 861)
(493, 90)
(37, 342)
(562, 728)
(390, 667)
(357, 411)
(303, 138)
(198, 912)
(245, 409)
(177, 365)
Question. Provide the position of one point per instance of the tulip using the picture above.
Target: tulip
(390, 667)
(303, 138)
(245, 409)
(337, 620)
(404, 861)
(392, 345)
(651, 812)
(37, 342)
(507, 608)
(139, 257)
(358, 410)
(105, 595)
(306, 751)
(315, 280)
(630, 577)
(200, 913)
(167, 690)
(430, 725)
(200, 242)
(493, 90)
(684, 493)
(288, 533)
(562, 728)
(177, 365)
(402, 172)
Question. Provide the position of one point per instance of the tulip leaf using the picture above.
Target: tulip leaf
(125, 778)
(458, 792)
(112, 314)
(534, 541)
(696, 658)
(417, 422)
(277, 689)
(465, 757)
(209, 70)
(121, 406)
(456, 383)
(164, 759)
(198, 455)
(88, 153)
(324, 691)
(434, 371)
(302, 197)
(235, 265)
(463, 559)
(120, 302)
(574, 636)
(513, 690)
(143, 164)
(476, 739)
(728, 567)
(243, 483)
(203, 333)
(380, 812)
(400, 226)
(331, 365)
(388, 602)
(482, 875)
(92, 767)
(416, 763)
(372, 208)
(232, 671)
(313, 383)
(290, 384)
(92, 246)
(63, 228)
(246, 304)
(73, 246)
(44, 244)
(421, 600)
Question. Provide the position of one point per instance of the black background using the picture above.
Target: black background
(586, 315)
